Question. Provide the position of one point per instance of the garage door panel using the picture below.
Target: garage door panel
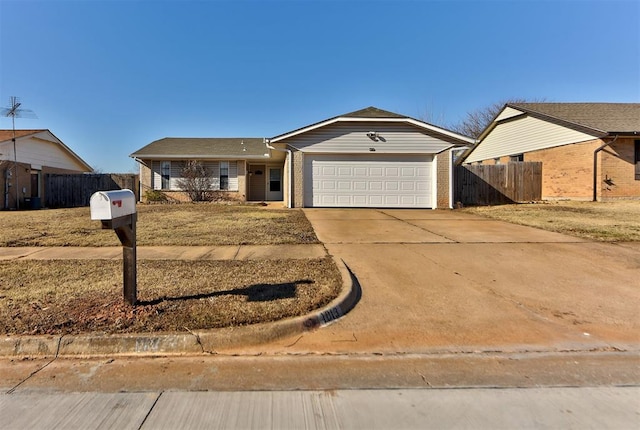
(391, 186)
(345, 186)
(423, 172)
(368, 181)
(408, 186)
(359, 185)
(359, 171)
(376, 186)
(359, 200)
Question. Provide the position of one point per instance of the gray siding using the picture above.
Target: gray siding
(352, 138)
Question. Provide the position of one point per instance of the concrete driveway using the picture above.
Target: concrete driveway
(435, 281)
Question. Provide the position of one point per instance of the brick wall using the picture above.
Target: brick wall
(616, 171)
(443, 186)
(567, 171)
(298, 178)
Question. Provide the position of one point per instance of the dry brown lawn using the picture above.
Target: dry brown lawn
(80, 296)
(615, 221)
(168, 224)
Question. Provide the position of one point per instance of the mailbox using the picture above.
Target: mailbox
(109, 205)
(117, 210)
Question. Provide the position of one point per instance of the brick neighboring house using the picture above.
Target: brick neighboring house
(38, 152)
(366, 158)
(589, 151)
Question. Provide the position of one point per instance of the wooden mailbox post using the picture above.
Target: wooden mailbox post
(116, 210)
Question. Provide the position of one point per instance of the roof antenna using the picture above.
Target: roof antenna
(14, 111)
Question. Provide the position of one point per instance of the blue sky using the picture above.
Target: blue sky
(108, 77)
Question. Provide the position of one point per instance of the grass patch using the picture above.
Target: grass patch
(183, 225)
(615, 221)
(80, 296)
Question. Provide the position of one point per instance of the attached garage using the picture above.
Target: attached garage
(369, 158)
(384, 181)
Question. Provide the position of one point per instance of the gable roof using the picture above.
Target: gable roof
(573, 122)
(608, 118)
(203, 148)
(44, 134)
(374, 114)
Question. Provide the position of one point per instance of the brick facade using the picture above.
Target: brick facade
(298, 178)
(179, 196)
(443, 165)
(567, 171)
(616, 171)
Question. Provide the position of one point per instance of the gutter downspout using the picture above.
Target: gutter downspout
(140, 164)
(595, 166)
(267, 142)
(451, 178)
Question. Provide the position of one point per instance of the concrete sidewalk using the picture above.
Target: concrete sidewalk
(550, 408)
(231, 252)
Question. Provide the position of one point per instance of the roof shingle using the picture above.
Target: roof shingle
(204, 147)
(8, 134)
(605, 117)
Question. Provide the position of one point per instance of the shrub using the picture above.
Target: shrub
(155, 196)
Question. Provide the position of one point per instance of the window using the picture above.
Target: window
(516, 158)
(224, 175)
(165, 173)
(274, 180)
(636, 159)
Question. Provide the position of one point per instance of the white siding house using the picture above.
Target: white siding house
(37, 152)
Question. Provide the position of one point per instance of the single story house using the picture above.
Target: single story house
(367, 158)
(237, 166)
(589, 151)
(37, 152)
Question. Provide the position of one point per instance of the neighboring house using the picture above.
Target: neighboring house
(589, 151)
(367, 158)
(38, 152)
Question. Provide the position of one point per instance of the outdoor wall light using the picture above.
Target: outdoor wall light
(373, 135)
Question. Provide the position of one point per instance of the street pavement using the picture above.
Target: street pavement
(448, 300)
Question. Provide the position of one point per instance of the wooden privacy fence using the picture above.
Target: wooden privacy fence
(498, 184)
(73, 190)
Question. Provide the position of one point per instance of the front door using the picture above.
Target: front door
(35, 184)
(257, 182)
(274, 184)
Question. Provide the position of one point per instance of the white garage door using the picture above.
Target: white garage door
(378, 181)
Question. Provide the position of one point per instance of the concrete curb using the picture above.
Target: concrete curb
(197, 342)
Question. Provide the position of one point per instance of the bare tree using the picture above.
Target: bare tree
(196, 181)
(477, 120)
